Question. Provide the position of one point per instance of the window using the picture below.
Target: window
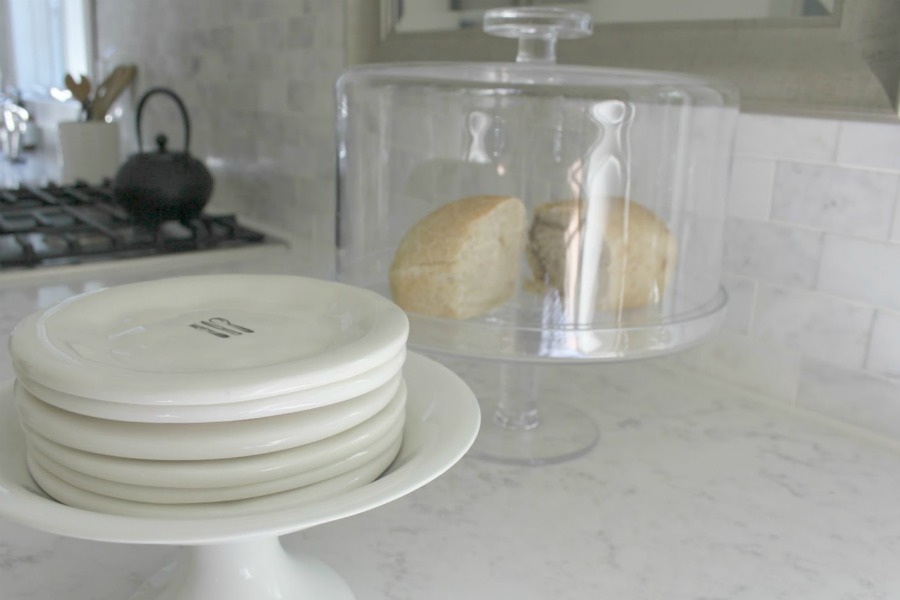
(47, 39)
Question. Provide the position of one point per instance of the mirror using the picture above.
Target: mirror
(828, 58)
(451, 15)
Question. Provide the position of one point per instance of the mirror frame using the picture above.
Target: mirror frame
(844, 66)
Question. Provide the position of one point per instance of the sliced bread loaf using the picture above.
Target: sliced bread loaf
(637, 257)
(462, 260)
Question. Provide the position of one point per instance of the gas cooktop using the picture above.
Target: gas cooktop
(56, 225)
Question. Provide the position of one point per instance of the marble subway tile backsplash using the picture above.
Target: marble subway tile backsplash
(812, 267)
(772, 252)
(750, 192)
(836, 199)
(869, 145)
(862, 270)
(884, 345)
(787, 139)
(257, 77)
(741, 302)
(817, 325)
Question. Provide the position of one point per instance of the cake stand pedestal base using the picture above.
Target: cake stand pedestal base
(254, 569)
(561, 433)
(524, 422)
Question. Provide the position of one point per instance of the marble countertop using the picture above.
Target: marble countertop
(695, 491)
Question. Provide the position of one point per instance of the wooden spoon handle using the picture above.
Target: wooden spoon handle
(81, 90)
(110, 89)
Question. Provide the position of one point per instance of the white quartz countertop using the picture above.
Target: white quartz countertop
(695, 491)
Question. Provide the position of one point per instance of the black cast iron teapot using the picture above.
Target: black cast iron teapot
(162, 185)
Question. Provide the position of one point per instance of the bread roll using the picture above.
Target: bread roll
(637, 257)
(462, 260)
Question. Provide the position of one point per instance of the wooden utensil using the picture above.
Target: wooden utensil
(111, 88)
(81, 91)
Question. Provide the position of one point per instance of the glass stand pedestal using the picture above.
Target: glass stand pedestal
(524, 420)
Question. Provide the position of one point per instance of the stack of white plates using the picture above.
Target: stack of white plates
(210, 395)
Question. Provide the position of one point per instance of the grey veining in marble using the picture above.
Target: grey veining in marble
(771, 252)
(855, 269)
(786, 138)
(837, 199)
(820, 326)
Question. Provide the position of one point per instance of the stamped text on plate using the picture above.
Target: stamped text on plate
(220, 327)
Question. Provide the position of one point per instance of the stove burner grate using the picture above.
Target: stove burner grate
(56, 225)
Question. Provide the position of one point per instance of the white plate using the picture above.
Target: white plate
(209, 339)
(234, 411)
(196, 495)
(202, 441)
(229, 472)
(442, 420)
(80, 498)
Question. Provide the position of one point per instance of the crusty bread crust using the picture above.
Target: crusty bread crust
(462, 260)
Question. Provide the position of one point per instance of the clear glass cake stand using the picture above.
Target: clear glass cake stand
(613, 182)
(527, 419)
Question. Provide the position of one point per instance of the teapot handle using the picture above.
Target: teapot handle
(184, 115)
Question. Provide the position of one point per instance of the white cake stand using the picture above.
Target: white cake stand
(241, 558)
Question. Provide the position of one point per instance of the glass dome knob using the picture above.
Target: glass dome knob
(537, 29)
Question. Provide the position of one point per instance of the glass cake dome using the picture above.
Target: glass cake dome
(535, 212)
